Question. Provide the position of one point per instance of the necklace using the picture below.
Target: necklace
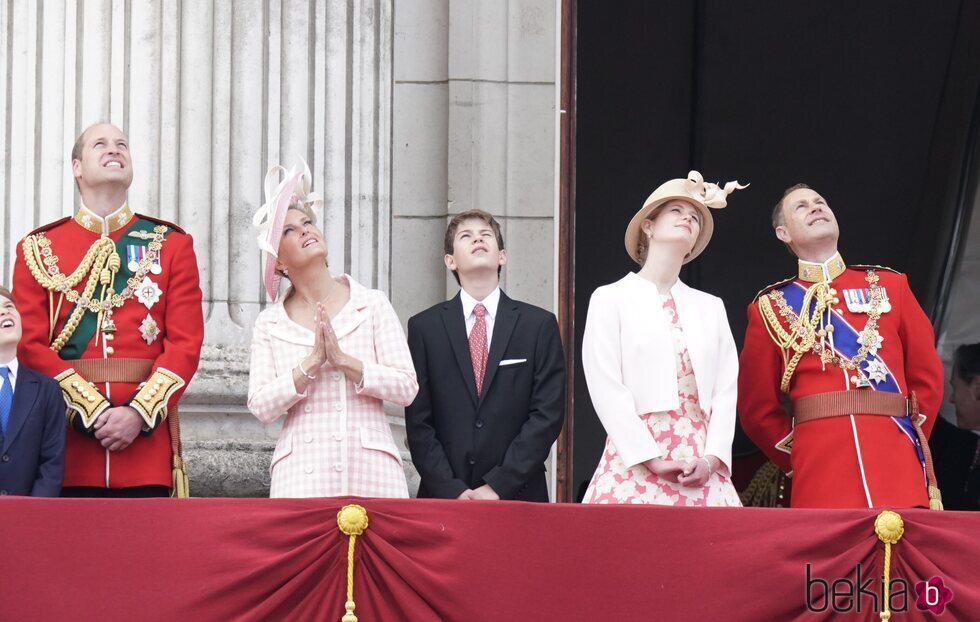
(312, 305)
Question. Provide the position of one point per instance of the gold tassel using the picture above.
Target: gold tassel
(352, 520)
(181, 487)
(889, 527)
(766, 488)
(935, 499)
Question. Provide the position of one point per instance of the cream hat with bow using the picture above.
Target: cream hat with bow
(695, 191)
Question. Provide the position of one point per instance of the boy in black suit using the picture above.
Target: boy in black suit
(491, 374)
(32, 418)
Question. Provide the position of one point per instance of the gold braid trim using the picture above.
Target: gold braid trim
(37, 250)
(152, 397)
(808, 334)
(81, 397)
(100, 263)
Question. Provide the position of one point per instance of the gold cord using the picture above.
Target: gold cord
(352, 520)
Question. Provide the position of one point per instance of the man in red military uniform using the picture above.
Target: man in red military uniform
(849, 346)
(111, 307)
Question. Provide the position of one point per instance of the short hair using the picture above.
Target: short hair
(966, 362)
(777, 212)
(79, 146)
(76, 150)
(6, 293)
(477, 214)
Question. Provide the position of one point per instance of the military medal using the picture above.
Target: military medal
(859, 300)
(149, 329)
(134, 254)
(155, 266)
(876, 371)
(872, 338)
(148, 292)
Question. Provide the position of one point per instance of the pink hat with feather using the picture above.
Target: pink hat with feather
(293, 189)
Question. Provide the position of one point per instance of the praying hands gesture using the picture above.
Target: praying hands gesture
(326, 351)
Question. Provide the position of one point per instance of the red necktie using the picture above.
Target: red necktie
(478, 346)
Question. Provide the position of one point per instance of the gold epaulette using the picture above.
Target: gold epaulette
(161, 221)
(873, 267)
(152, 397)
(769, 288)
(81, 396)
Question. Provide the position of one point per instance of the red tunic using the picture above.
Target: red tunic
(859, 461)
(175, 349)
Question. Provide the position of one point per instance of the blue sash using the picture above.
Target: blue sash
(846, 344)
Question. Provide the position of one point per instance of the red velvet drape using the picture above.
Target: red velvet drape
(240, 559)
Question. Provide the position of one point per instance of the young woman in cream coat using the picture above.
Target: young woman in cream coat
(660, 362)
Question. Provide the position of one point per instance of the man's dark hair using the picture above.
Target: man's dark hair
(966, 362)
(477, 214)
(777, 212)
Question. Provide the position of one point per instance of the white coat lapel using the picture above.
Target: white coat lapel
(288, 330)
(354, 312)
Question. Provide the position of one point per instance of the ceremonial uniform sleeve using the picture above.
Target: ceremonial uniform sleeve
(760, 369)
(182, 333)
(85, 402)
(428, 454)
(923, 368)
(721, 427)
(392, 377)
(602, 361)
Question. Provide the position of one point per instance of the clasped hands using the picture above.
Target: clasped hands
(484, 492)
(687, 473)
(326, 348)
(117, 427)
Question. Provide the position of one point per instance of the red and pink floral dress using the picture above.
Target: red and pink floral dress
(680, 433)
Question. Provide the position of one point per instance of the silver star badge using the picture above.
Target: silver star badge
(149, 329)
(876, 371)
(148, 292)
(872, 339)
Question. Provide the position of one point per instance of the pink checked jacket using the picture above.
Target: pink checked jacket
(335, 440)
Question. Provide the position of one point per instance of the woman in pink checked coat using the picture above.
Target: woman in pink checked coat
(327, 356)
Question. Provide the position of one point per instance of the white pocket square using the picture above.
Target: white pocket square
(512, 362)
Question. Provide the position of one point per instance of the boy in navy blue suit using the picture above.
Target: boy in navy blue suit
(32, 418)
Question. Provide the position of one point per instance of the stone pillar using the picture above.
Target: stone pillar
(474, 126)
(211, 94)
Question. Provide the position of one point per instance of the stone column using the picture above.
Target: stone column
(474, 126)
(211, 94)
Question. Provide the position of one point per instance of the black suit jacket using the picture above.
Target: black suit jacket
(32, 458)
(460, 440)
(954, 452)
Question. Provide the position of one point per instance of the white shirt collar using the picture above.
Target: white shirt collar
(490, 302)
(12, 365)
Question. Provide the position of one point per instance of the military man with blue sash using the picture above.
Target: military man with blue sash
(854, 354)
